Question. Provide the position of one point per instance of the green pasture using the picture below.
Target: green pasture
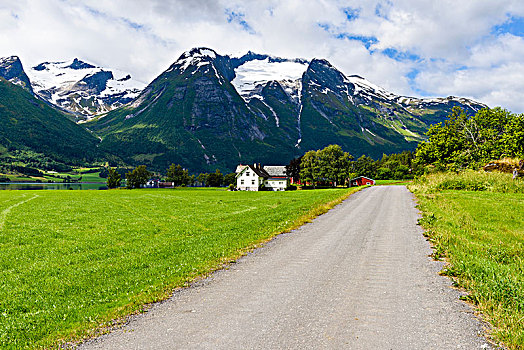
(480, 231)
(72, 261)
(392, 182)
(92, 177)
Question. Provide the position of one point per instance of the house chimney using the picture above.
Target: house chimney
(259, 166)
(254, 165)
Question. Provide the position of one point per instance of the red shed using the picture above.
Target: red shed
(361, 181)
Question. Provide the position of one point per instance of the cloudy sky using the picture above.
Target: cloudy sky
(464, 48)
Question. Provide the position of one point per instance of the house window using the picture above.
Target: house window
(247, 173)
(252, 182)
(241, 182)
(281, 183)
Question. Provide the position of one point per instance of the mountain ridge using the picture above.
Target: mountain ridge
(193, 114)
(211, 111)
(28, 123)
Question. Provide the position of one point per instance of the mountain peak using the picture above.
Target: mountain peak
(199, 52)
(79, 64)
(11, 69)
(320, 62)
(9, 59)
(197, 56)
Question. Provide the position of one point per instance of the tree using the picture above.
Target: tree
(513, 137)
(401, 172)
(138, 177)
(384, 173)
(364, 166)
(113, 178)
(293, 169)
(310, 168)
(178, 175)
(465, 141)
(333, 164)
(202, 179)
(230, 179)
(215, 179)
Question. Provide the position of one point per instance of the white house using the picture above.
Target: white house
(254, 177)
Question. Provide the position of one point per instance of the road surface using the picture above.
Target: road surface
(357, 277)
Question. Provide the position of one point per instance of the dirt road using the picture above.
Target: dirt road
(358, 277)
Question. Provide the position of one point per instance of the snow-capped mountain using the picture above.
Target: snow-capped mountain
(209, 110)
(82, 88)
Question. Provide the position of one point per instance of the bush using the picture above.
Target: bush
(291, 188)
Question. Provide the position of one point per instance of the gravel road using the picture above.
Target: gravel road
(357, 277)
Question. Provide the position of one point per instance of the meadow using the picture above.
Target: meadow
(73, 262)
(476, 222)
(392, 182)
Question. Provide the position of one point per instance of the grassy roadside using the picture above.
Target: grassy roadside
(476, 221)
(71, 263)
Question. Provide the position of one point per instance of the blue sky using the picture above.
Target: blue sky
(411, 47)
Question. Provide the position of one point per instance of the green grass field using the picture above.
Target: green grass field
(92, 177)
(72, 261)
(481, 234)
(392, 182)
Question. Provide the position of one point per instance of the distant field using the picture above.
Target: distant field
(71, 261)
(392, 182)
(481, 232)
(58, 177)
(92, 177)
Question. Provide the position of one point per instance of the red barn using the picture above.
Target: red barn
(361, 181)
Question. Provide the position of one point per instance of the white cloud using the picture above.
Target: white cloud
(450, 44)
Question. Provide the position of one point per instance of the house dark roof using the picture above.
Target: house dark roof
(259, 171)
(268, 171)
(275, 170)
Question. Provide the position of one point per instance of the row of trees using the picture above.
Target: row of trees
(331, 166)
(179, 176)
(397, 166)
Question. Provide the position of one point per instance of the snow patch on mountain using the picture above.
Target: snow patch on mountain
(256, 73)
(366, 88)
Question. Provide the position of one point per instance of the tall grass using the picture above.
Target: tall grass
(468, 180)
(479, 229)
